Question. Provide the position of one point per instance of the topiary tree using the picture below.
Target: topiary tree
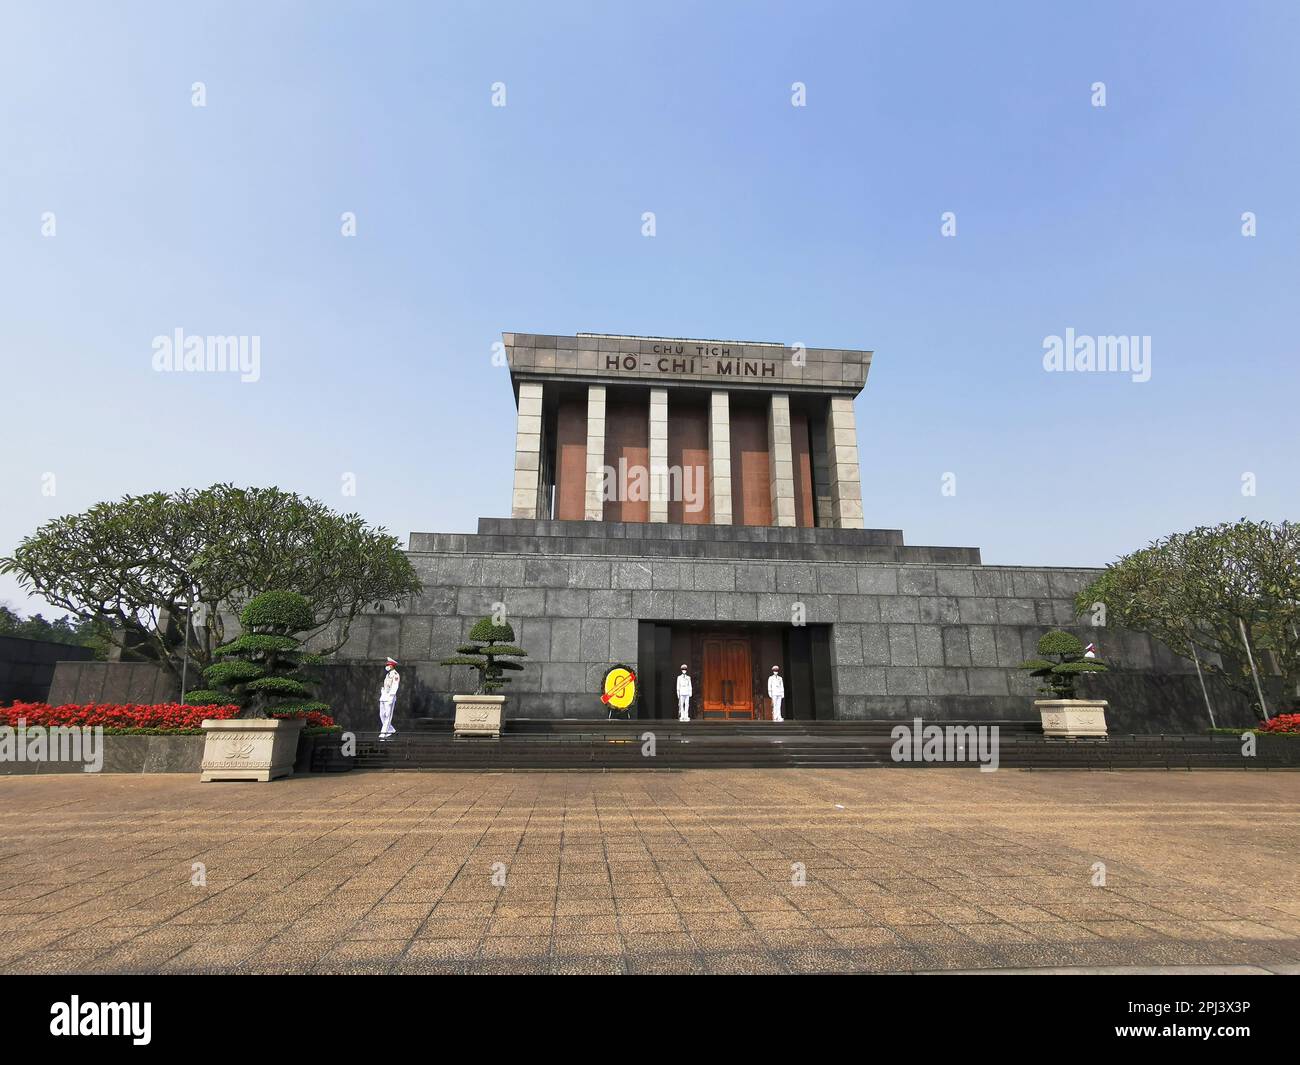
(1061, 663)
(489, 651)
(260, 669)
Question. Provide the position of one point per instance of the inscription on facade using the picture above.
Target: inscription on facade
(691, 359)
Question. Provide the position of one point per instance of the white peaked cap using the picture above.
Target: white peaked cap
(392, 660)
(776, 669)
(683, 665)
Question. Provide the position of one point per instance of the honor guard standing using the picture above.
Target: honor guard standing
(388, 699)
(684, 693)
(776, 692)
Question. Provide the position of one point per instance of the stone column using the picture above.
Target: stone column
(595, 505)
(720, 457)
(842, 445)
(528, 452)
(659, 481)
(821, 473)
(780, 459)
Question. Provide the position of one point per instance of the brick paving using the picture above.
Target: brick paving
(649, 872)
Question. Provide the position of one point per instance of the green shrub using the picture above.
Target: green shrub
(1057, 642)
(1061, 663)
(227, 674)
(261, 670)
(251, 642)
(278, 686)
(281, 613)
(489, 651)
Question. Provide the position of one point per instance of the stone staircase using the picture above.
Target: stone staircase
(610, 745)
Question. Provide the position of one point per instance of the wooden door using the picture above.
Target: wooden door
(728, 677)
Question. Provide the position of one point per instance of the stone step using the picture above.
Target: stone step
(620, 748)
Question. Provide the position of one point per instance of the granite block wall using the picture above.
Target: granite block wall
(911, 635)
(111, 682)
(27, 667)
(938, 641)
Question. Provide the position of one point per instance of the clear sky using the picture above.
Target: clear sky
(819, 224)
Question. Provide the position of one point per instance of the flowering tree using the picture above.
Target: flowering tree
(163, 571)
(1223, 596)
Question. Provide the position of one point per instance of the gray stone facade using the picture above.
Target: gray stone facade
(915, 631)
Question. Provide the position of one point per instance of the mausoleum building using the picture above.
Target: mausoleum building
(699, 501)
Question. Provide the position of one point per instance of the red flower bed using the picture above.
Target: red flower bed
(114, 715)
(164, 716)
(1282, 723)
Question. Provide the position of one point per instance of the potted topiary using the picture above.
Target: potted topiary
(260, 672)
(489, 651)
(1063, 658)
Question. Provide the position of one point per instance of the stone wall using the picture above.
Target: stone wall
(909, 638)
(113, 682)
(27, 667)
(126, 754)
(913, 633)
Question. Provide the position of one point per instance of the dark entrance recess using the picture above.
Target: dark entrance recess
(729, 666)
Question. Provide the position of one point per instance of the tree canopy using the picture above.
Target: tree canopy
(155, 564)
(1220, 595)
(76, 633)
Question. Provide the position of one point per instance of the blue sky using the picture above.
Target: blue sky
(818, 224)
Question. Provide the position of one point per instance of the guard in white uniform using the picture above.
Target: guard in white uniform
(684, 693)
(388, 699)
(776, 692)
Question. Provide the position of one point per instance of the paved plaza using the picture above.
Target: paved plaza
(903, 870)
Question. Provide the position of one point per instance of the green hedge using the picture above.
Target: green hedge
(278, 610)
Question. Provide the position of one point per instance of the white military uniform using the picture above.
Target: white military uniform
(387, 701)
(776, 692)
(684, 693)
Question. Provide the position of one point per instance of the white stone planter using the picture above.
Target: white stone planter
(1072, 717)
(253, 748)
(478, 715)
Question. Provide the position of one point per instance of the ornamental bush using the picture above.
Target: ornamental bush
(1061, 663)
(261, 670)
(120, 718)
(489, 651)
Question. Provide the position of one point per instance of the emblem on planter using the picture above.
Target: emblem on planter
(260, 749)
